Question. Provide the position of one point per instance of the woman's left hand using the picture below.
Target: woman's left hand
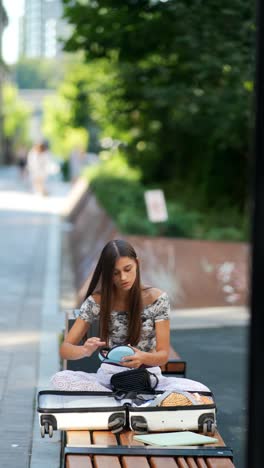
(134, 361)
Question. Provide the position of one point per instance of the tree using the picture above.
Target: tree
(16, 116)
(184, 79)
(68, 118)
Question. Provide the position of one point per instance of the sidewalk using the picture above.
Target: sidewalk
(29, 316)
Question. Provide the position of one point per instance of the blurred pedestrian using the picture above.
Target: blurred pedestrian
(38, 167)
(21, 161)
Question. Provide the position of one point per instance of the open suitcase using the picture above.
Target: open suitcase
(62, 410)
(171, 411)
(65, 410)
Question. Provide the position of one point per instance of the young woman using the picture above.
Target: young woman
(128, 314)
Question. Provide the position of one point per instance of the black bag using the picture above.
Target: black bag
(135, 380)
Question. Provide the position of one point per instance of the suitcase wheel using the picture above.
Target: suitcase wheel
(42, 431)
(207, 424)
(139, 424)
(48, 425)
(116, 422)
(46, 429)
(209, 427)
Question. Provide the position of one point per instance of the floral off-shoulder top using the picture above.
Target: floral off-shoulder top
(155, 312)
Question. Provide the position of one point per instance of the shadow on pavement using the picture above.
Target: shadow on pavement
(218, 358)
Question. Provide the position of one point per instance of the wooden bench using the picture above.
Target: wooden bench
(103, 449)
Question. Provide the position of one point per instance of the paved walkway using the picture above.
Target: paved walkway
(218, 357)
(29, 315)
(30, 318)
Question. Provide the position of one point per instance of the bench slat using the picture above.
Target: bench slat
(78, 438)
(126, 438)
(135, 462)
(219, 463)
(163, 462)
(220, 440)
(191, 462)
(105, 461)
(182, 463)
(201, 463)
(103, 438)
(78, 461)
(174, 367)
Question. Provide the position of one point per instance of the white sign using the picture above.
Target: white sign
(156, 206)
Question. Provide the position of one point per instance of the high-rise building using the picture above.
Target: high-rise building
(41, 28)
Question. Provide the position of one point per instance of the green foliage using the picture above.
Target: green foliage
(226, 233)
(119, 190)
(83, 101)
(182, 91)
(67, 117)
(123, 200)
(59, 128)
(114, 164)
(16, 116)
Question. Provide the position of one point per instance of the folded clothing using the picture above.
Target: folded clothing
(185, 399)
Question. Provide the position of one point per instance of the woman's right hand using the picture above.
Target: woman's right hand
(92, 344)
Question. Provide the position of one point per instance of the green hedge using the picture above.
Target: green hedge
(120, 192)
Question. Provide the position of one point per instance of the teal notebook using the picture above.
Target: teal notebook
(166, 439)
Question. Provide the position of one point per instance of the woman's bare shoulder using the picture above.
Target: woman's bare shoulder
(150, 295)
(97, 297)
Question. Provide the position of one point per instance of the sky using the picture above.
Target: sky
(14, 9)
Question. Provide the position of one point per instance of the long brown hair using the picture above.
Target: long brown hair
(103, 277)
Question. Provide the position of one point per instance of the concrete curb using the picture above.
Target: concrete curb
(209, 317)
(46, 452)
